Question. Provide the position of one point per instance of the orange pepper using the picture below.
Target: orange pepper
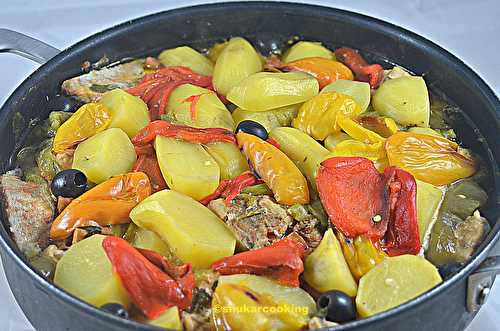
(432, 159)
(108, 203)
(326, 71)
(282, 176)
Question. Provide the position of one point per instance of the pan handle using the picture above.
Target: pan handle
(30, 48)
(480, 282)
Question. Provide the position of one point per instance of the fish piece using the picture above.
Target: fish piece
(256, 221)
(29, 209)
(91, 86)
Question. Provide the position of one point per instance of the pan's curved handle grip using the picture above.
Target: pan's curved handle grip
(30, 48)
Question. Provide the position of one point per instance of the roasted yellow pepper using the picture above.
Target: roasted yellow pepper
(353, 147)
(360, 254)
(432, 159)
(282, 176)
(88, 120)
(318, 116)
(237, 307)
(384, 126)
(356, 131)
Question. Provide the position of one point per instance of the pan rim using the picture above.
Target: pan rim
(357, 19)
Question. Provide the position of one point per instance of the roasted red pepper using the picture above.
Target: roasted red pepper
(155, 88)
(363, 71)
(281, 261)
(351, 190)
(151, 289)
(148, 164)
(194, 135)
(174, 271)
(230, 188)
(361, 201)
(402, 236)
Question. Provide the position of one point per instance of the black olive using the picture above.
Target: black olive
(115, 309)
(253, 128)
(62, 102)
(69, 183)
(339, 306)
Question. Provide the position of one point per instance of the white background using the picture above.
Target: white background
(468, 29)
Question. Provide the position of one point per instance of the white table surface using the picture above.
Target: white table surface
(469, 29)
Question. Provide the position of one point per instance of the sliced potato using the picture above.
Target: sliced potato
(305, 49)
(280, 294)
(187, 167)
(86, 272)
(237, 60)
(269, 90)
(428, 200)
(228, 156)
(146, 239)
(109, 153)
(193, 233)
(187, 57)
(169, 319)
(270, 119)
(128, 112)
(359, 91)
(210, 112)
(304, 151)
(326, 268)
(405, 99)
(215, 50)
(394, 281)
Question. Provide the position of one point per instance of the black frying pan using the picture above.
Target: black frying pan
(449, 306)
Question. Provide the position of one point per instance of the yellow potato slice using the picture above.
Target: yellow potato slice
(269, 90)
(187, 167)
(405, 99)
(228, 156)
(104, 155)
(187, 57)
(193, 232)
(210, 112)
(128, 112)
(326, 268)
(86, 272)
(237, 60)
(305, 49)
(394, 281)
(168, 320)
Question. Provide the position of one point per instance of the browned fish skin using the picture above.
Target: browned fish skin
(29, 209)
(91, 86)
